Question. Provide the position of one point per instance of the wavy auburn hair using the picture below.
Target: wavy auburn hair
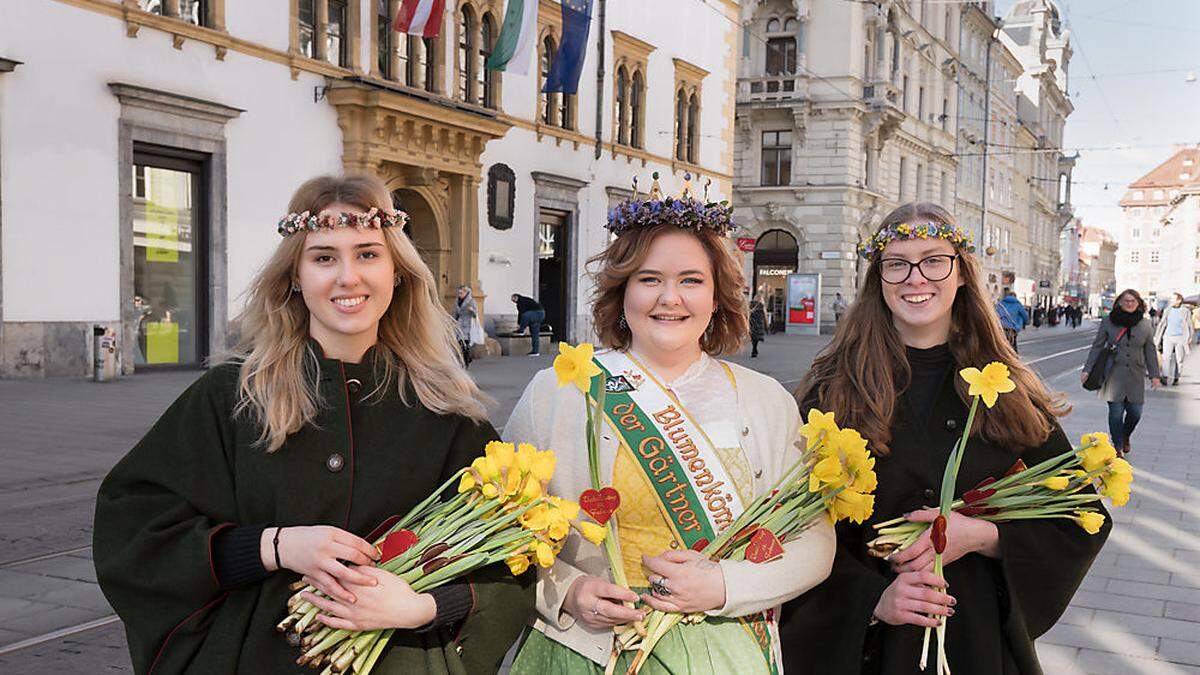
(417, 344)
(862, 372)
(625, 255)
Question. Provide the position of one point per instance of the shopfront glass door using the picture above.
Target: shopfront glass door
(169, 287)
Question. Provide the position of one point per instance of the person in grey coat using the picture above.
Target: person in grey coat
(465, 312)
(1125, 387)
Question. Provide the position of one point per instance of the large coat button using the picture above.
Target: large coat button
(335, 462)
(929, 496)
(353, 385)
(951, 425)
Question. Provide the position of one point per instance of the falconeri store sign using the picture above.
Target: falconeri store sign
(427, 151)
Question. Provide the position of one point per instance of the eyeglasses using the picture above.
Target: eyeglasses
(933, 268)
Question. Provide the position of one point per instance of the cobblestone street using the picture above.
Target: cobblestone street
(1137, 612)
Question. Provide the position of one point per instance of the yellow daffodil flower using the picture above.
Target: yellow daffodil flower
(828, 472)
(1100, 453)
(517, 564)
(574, 365)
(1117, 492)
(543, 465)
(531, 491)
(1116, 481)
(466, 483)
(570, 509)
(490, 490)
(526, 454)
(1090, 521)
(559, 527)
(536, 518)
(817, 422)
(591, 531)
(487, 469)
(1056, 483)
(851, 505)
(988, 383)
(544, 554)
(500, 453)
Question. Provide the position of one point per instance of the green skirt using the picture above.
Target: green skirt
(716, 645)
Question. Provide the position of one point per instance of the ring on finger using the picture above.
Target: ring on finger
(659, 587)
(596, 608)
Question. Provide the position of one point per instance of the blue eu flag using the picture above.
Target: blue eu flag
(567, 64)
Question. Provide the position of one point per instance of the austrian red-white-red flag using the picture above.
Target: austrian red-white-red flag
(420, 17)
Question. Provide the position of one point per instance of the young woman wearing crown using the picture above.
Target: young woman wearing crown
(344, 403)
(891, 372)
(668, 300)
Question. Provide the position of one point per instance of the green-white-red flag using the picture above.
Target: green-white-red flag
(514, 47)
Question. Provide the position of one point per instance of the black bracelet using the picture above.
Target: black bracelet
(275, 541)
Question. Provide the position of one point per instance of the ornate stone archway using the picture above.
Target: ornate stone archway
(427, 150)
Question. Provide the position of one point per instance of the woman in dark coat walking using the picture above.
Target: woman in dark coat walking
(758, 324)
(891, 372)
(343, 404)
(1128, 330)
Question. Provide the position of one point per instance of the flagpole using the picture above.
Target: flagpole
(600, 84)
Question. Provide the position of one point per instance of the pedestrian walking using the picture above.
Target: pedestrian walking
(1174, 337)
(1196, 323)
(465, 314)
(758, 325)
(531, 315)
(1127, 335)
(668, 304)
(1013, 316)
(891, 372)
(344, 403)
(839, 308)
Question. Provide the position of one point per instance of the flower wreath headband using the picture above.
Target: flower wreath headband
(929, 230)
(296, 222)
(684, 211)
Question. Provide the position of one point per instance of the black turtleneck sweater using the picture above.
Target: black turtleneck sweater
(929, 368)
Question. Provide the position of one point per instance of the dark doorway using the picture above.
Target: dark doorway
(552, 246)
(170, 258)
(776, 254)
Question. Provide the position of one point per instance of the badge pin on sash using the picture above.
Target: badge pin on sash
(619, 384)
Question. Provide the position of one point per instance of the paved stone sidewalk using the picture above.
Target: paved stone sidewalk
(1138, 610)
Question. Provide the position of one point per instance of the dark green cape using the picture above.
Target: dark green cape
(1003, 605)
(198, 471)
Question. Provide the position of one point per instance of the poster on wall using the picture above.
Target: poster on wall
(804, 306)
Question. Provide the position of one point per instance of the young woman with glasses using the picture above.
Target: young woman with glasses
(891, 372)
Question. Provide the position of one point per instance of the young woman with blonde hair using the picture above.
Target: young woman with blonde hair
(345, 402)
(669, 300)
(891, 372)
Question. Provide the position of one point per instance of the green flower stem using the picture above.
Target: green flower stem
(419, 510)
(375, 653)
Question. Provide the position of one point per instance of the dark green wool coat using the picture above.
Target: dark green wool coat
(1003, 605)
(198, 472)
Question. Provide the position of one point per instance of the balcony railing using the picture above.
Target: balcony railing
(772, 88)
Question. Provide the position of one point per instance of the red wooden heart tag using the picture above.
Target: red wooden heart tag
(1018, 467)
(395, 544)
(600, 504)
(764, 547)
(937, 534)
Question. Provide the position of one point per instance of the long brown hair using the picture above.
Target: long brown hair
(417, 343)
(861, 373)
(616, 264)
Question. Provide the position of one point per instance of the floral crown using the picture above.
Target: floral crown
(295, 222)
(684, 211)
(929, 230)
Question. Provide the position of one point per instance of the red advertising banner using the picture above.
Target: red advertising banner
(746, 244)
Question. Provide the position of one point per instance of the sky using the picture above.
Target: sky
(1128, 81)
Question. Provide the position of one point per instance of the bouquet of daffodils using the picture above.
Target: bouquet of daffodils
(501, 512)
(1050, 489)
(835, 475)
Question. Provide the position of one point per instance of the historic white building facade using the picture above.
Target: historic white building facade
(180, 128)
(1159, 233)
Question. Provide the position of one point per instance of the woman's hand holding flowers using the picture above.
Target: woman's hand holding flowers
(963, 535)
(386, 602)
(696, 584)
(911, 597)
(596, 603)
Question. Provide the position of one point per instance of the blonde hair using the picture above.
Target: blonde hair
(730, 325)
(277, 386)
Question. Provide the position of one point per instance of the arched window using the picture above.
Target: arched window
(566, 113)
(549, 104)
(773, 26)
(466, 55)
(693, 129)
(681, 125)
(487, 39)
(790, 25)
(622, 106)
(637, 98)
